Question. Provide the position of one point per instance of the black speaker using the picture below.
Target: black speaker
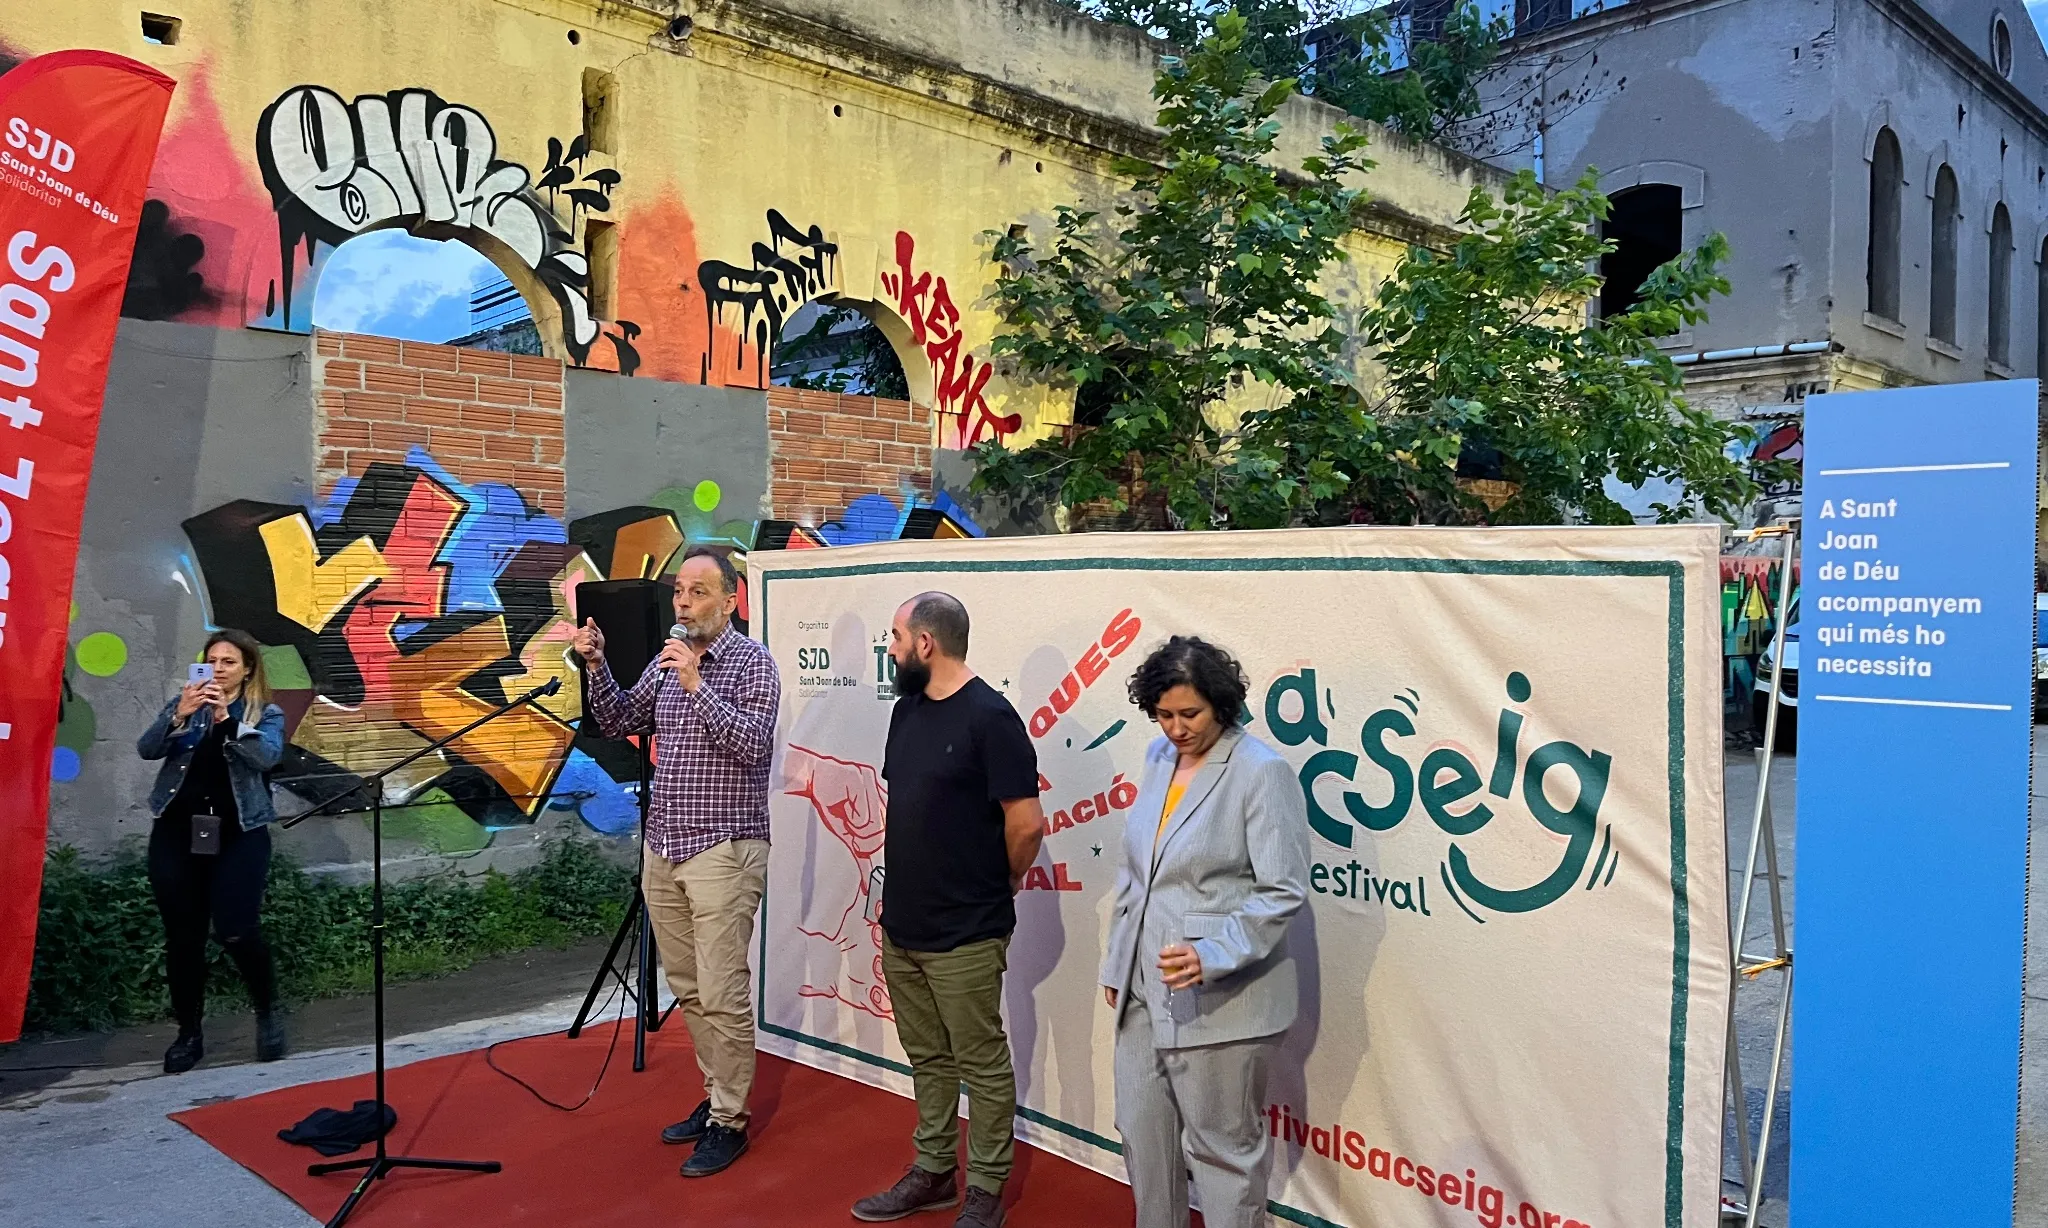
(634, 615)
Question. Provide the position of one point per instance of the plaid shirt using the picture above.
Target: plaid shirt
(712, 749)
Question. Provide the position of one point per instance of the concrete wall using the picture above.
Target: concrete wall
(194, 417)
(1890, 76)
(1716, 104)
(630, 438)
(1764, 112)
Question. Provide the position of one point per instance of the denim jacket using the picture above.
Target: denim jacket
(251, 753)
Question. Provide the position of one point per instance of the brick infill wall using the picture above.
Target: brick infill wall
(483, 416)
(827, 449)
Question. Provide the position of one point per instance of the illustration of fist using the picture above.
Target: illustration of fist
(849, 798)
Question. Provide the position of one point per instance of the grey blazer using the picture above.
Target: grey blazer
(1227, 878)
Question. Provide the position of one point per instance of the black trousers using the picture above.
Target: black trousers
(222, 890)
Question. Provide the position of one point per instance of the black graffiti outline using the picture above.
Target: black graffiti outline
(792, 268)
(381, 157)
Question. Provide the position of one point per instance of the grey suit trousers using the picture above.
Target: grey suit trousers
(1203, 1108)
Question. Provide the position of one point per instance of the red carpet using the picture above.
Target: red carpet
(819, 1143)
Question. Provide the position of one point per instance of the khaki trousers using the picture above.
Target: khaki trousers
(703, 916)
(949, 1016)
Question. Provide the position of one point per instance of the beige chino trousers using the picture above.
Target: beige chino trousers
(703, 916)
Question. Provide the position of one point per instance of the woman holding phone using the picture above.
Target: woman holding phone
(209, 850)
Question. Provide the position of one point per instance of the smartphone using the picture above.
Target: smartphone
(199, 673)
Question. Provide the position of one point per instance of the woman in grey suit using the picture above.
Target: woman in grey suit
(1215, 866)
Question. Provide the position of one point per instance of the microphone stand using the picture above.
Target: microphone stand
(380, 1165)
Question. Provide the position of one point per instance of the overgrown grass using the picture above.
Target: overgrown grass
(100, 951)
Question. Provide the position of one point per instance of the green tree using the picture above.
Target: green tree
(1377, 64)
(1421, 83)
(1204, 279)
(1489, 369)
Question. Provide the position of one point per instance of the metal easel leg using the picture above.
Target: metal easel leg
(1762, 831)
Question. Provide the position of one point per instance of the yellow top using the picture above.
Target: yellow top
(1173, 796)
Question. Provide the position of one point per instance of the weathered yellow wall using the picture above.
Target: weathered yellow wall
(895, 127)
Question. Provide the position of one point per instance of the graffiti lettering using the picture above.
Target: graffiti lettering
(335, 170)
(925, 301)
(415, 604)
(409, 603)
(792, 268)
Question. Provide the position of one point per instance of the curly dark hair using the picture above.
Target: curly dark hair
(1186, 660)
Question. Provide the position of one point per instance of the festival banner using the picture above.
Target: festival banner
(1515, 969)
(78, 131)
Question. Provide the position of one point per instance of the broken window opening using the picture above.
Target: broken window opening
(1647, 229)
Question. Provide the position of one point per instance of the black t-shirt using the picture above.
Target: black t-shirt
(951, 764)
(207, 788)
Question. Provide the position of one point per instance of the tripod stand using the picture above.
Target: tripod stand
(640, 988)
(380, 1165)
(630, 613)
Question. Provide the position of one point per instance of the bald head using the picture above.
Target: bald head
(941, 616)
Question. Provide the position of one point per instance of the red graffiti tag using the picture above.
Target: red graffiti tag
(959, 380)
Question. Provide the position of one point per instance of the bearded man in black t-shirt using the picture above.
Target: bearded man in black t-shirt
(963, 825)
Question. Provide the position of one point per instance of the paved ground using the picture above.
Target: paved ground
(1757, 1001)
(93, 1146)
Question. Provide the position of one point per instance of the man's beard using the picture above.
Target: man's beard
(913, 676)
(705, 629)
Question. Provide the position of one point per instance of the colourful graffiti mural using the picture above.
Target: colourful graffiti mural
(1749, 620)
(410, 603)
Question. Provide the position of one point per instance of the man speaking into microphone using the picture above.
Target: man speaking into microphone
(710, 700)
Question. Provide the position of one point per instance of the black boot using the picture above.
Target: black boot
(184, 1053)
(270, 1044)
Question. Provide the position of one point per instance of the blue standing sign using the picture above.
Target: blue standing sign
(1915, 706)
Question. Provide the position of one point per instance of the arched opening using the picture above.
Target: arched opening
(1887, 177)
(830, 345)
(1646, 226)
(2041, 313)
(1998, 332)
(1941, 294)
(389, 283)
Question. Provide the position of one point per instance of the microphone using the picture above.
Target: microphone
(554, 685)
(680, 634)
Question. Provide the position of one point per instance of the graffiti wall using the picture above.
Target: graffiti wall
(1749, 620)
(403, 525)
(408, 604)
(662, 205)
(398, 604)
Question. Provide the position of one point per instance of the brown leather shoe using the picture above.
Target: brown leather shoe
(917, 1191)
(983, 1210)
